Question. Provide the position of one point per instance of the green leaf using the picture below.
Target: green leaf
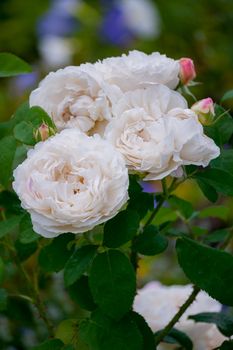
(20, 155)
(3, 299)
(224, 161)
(220, 180)
(24, 251)
(222, 321)
(9, 225)
(218, 211)
(208, 268)
(80, 292)
(121, 229)
(101, 333)
(150, 242)
(7, 153)
(52, 344)
(78, 263)
(54, 256)
(183, 206)
(164, 215)
(146, 332)
(226, 345)
(113, 283)
(175, 336)
(217, 236)
(222, 130)
(227, 96)
(67, 332)
(208, 191)
(26, 232)
(11, 65)
(10, 202)
(139, 201)
(24, 130)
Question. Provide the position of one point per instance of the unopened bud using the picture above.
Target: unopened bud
(204, 110)
(187, 70)
(43, 132)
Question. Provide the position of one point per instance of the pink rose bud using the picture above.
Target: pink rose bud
(204, 110)
(187, 70)
(43, 132)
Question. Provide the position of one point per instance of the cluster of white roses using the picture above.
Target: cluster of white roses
(119, 114)
(158, 304)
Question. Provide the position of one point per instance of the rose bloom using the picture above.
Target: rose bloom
(156, 133)
(138, 70)
(71, 183)
(158, 304)
(74, 97)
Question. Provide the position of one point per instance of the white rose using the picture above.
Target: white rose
(74, 97)
(156, 138)
(158, 304)
(71, 183)
(138, 70)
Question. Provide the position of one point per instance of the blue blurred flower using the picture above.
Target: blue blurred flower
(25, 82)
(125, 20)
(59, 20)
(114, 29)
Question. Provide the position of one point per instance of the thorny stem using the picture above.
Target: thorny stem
(177, 316)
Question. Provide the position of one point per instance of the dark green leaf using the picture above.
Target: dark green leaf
(3, 299)
(223, 322)
(81, 294)
(208, 268)
(7, 153)
(140, 202)
(52, 344)
(10, 202)
(121, 229)
(208, 191)
(175, 336)
(226, 345)
(54, 256)
(150, 242)
(217, 236)
(78, 263)
(222, 130)
(113, 283)
(9, 225)
(11, 65)
(24, 251)
(101, 333)
(227, 96)
(146, 332)
(183, 206)
(26, 233)
(219, 179)
(224, 161)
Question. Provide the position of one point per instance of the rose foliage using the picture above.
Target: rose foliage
(73, 164)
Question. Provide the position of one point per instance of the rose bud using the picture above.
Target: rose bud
(204, 110)
(187, 70)
(43, 132)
